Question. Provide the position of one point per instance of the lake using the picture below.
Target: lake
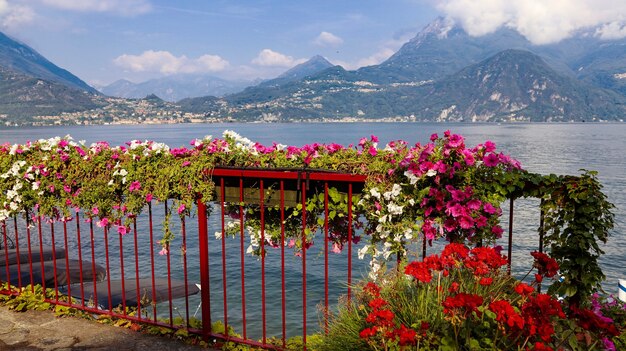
(542, 148)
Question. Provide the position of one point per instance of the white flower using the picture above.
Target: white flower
(374, 268)
(110, 182)
(394, 209)
(250, 250)
(218, 235)
(375, 193)
(387, 250)
(35, 185)
(408, 234)
(362, 251)
(411, 177)
(123, 172)
(13, 206)
(431, 173)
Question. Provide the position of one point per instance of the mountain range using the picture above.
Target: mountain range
(442, 74)
(176, 87)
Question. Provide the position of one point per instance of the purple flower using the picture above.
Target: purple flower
(608, 344)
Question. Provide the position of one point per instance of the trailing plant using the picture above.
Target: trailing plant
(440, 189)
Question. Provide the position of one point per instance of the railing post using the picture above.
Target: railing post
(205, 293)
(510, 248)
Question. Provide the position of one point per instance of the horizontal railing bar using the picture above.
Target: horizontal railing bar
(294, 174)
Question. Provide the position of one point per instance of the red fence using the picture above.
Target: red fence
(266, 299)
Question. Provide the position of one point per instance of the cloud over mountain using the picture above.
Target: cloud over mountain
(268, 57)
(327, 39)
(540, 21)
(166, 63)
(13, 16)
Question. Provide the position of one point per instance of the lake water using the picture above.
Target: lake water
(542, 148)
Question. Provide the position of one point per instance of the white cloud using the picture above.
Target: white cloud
(327, 39)
(612, 30)
(166, 63)
(13, 16)
(540, 21)
(123, 7)
(267, 57)
(376, 58)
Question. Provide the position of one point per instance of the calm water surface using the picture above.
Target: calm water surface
(542, 148)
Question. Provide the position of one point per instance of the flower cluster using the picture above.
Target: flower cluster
(384, 329)
(482, 306)
(436, 184)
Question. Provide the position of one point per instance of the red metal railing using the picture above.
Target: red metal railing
(265, 299)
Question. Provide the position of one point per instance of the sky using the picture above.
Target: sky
(102, 41)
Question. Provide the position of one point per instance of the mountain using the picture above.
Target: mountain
(510, 85)
(517, 85)
(21, 58)
(175, 87)
(23, 96)
(312, 66)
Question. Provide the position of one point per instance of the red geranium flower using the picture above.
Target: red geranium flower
(419, 270)
(546, 265)
(462, 302)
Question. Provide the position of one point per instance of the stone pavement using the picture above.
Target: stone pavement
(41, 330)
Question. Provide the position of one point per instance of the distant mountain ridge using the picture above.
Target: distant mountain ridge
(21, 58)
(176, 87)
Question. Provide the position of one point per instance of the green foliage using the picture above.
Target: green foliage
(440, 189)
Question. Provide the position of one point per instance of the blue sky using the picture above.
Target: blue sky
(105, 40)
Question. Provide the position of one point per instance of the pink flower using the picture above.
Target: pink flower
(489, 146)
(95, 210)
(163, 252)
(489, 208)
(455, 141)
(292, 243)
(123, 230)
(497, 231)
(491, 160)
(336, 248)
(466, 222)
(149, 197)
(103, 222)
(136, 185)
(473, 204)
(181, 208)
(374, 138)
(434, 137)
(372, 151)
(186, 163)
